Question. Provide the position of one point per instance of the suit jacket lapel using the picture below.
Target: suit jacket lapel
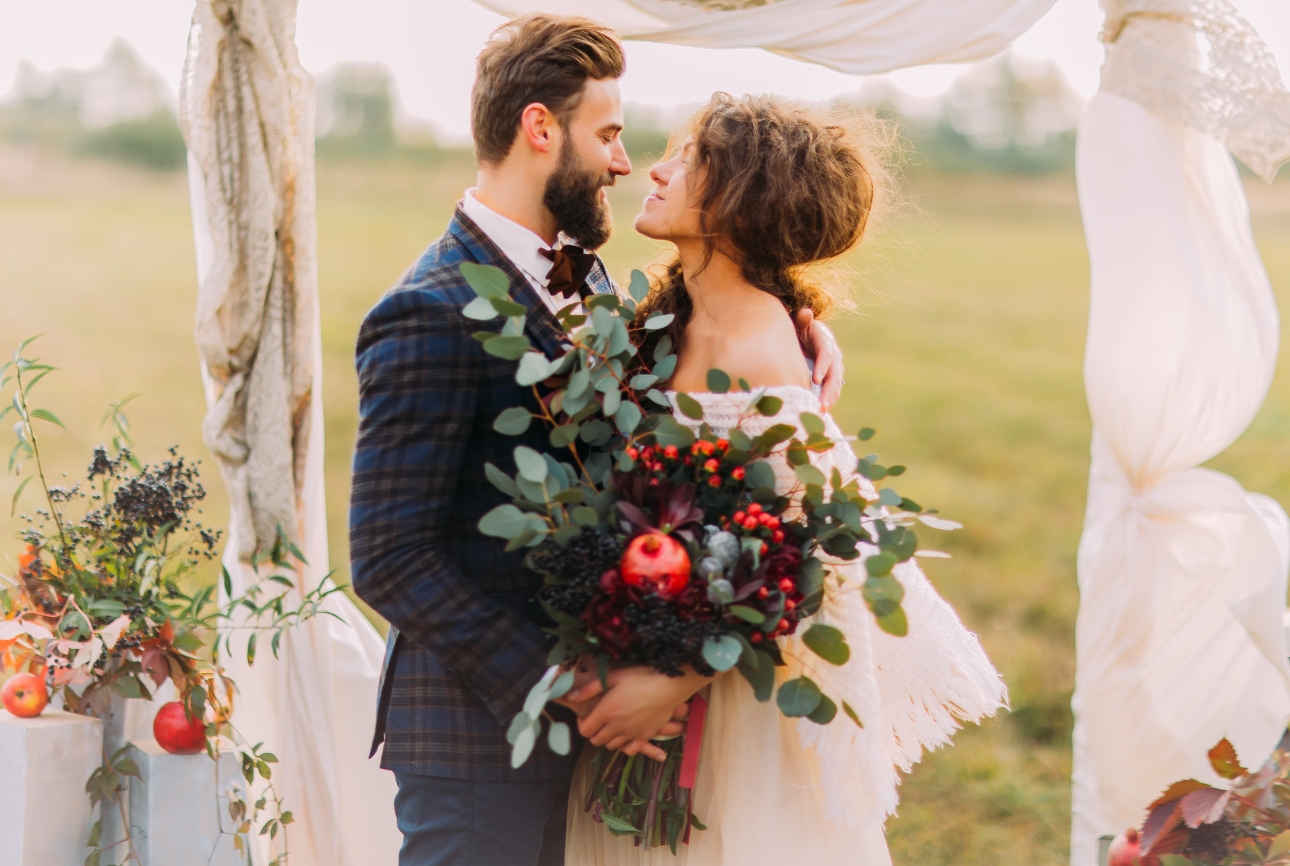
(540, 322)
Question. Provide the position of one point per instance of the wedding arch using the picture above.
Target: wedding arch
(1182, 573)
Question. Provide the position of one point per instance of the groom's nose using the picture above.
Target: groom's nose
(619, 163)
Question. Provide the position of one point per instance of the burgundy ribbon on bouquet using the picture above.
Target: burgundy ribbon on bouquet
(693, 742)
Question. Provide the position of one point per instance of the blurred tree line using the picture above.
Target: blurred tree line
(1006, 116)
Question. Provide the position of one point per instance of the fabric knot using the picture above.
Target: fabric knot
(570, 267)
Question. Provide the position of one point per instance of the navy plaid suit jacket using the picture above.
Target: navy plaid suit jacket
(466, 642)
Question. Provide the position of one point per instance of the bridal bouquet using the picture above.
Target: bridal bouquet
(665, 546)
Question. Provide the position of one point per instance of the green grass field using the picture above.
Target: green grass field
(965, 354)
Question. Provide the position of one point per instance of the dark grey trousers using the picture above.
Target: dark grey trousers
(450, 822)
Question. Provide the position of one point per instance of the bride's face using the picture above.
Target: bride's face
(671, 210)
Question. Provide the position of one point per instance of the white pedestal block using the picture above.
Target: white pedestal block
(178, 807)
(45, 814)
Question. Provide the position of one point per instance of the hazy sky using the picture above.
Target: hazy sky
(430, 46)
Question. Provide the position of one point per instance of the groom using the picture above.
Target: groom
(466, 640)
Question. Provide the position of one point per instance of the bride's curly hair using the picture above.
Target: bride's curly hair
(785, 186)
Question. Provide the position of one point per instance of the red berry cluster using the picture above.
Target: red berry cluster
(707, 458)
(780, 574)
(756, 521)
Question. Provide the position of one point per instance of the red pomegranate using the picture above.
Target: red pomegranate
(656, 561)
(176, 732)
(25, 695)
(1125, 849)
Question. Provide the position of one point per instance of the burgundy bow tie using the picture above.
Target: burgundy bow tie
(569, 269)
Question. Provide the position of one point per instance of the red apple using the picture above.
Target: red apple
(25, 695)
(656, 561)
(178, 733)
(1125, 849)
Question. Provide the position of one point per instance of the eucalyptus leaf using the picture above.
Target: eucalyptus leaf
(759, 474)
(510, 348)
(641, 381)
(597, 432)
(507, 307)
(722, 653)
(602, 321)
(824, 712)
(557, 737)
(889, 497)
(748, 614)
(531, 464)
(894, 623)
(665, 368)
(557, 477)
(504, 521)
(656, 321)
(828, 643)
(656, 396)
(761, 676)
(512, 421)
(662, 348)
(523, 746)
(638, 286)
(798, 697)
(879, 564)
(672, 432)
(533, 368)
(578, 382)
(812, 423)
(487, 281)
(808, 474)
(519, 723)
(585, 515)
(480, 310)
(563, 435)
(612, 400)
(618, 338)
(718, 381)
(769, 406)
(689, 406)
(627, 417)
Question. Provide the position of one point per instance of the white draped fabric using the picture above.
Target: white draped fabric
(1182, 573)
(859, 38)
(246, 107)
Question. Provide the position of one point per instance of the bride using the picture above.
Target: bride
(758, 190)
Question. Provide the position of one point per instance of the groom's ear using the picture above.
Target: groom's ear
(537, 65)
(539, 129)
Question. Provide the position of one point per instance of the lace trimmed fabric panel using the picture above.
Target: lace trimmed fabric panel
(1200, 63)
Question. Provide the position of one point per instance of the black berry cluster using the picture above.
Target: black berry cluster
(667, 636)
(575, 569)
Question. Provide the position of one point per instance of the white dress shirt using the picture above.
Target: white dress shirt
(520, 245)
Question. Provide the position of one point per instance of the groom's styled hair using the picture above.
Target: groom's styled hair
(540, 58)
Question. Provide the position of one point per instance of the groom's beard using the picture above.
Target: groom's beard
(573, 196)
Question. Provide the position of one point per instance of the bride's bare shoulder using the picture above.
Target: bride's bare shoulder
(763, 352)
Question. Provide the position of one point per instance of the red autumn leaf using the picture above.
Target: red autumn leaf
(1177, 791)
(1224, 761)
(1160, 821)
(154, 664)
(1204, 806)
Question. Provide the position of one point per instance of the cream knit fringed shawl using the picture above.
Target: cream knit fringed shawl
(246, 112)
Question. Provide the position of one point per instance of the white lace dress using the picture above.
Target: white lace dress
(774, 790)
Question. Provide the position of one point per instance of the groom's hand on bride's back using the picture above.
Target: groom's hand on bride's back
(819, 344)
(641, 703)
